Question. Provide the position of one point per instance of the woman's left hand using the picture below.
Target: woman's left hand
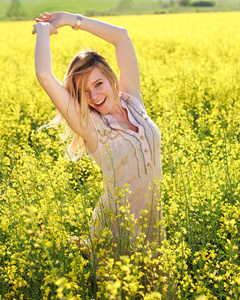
(58, 19)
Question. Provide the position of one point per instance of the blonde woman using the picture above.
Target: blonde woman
(107, 114)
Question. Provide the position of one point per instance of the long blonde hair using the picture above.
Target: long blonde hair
(81, 66)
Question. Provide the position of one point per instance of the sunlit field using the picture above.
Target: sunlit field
(190, 76)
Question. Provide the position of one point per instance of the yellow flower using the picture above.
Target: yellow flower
(202, 297)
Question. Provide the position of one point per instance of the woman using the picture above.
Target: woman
(109, 116)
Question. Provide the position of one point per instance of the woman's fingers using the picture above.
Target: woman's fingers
(38, 20)
(47, 15)
(34, 29)
(44, 18)
(53, 30)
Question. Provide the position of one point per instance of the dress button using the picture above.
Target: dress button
(146, 150)
(141, 137)
(149, 165)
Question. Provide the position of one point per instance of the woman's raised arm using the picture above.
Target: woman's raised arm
(56, 91)
(129, 81)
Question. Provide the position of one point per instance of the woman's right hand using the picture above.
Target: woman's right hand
(58, 19)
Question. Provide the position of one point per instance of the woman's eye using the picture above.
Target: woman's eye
(98, 84)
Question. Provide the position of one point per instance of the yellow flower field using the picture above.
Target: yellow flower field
(190, 75)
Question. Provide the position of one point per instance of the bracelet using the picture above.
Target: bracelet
(78, 23)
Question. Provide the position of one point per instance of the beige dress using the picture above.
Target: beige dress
(132, 158)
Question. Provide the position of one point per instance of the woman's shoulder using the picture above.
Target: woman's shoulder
(128, 98)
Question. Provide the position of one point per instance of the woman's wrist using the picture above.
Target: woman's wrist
(70, 19)
(45, 28)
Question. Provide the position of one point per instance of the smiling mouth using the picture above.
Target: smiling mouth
(101, 102)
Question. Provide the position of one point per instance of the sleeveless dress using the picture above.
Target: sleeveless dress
(132, 158)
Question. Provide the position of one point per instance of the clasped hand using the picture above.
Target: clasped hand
(56, 19)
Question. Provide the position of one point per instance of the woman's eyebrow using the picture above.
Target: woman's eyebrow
(96, 81)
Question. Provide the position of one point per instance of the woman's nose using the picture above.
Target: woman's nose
(93, 94)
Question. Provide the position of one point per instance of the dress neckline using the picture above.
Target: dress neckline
(114, 123)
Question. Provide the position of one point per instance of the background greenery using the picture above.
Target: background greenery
(31, 9)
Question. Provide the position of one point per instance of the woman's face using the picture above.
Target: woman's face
(99, 92)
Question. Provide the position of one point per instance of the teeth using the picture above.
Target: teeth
(100, 102)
